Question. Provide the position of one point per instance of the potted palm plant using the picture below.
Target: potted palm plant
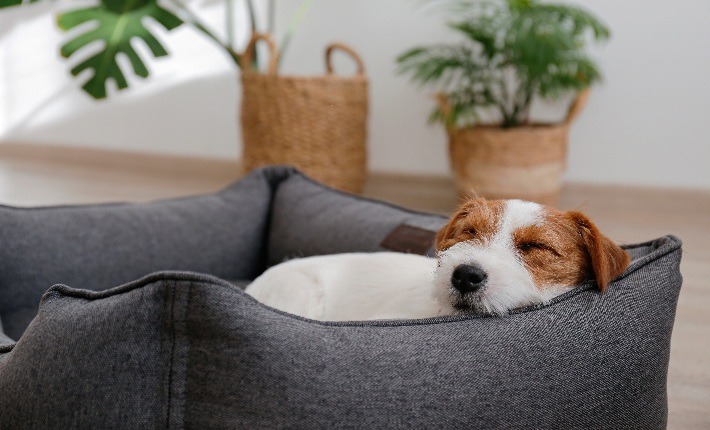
(512, 52)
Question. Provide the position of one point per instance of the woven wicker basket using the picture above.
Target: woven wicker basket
(318, 124)
(524, 162)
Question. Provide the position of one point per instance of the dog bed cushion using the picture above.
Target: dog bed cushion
(190, 350)
(304, 211)
(104, 245)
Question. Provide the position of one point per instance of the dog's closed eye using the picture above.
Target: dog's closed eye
(526, 247)
(470, 231)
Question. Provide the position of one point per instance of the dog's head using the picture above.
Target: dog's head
(497, 255)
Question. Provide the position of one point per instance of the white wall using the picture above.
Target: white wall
(188, 106)
(644, 125)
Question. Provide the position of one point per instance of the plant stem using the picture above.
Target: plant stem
(525, 112)
(293, 25)
(506, 116)
(252, 15)
(252, 20)
(521, 104)
(229, 22)
(524, 107)
(195, 21)
(272, 17)
(504, 102)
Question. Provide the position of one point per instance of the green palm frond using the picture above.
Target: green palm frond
(439, 64)
(579, 20)
(457, 73)
(116, 24)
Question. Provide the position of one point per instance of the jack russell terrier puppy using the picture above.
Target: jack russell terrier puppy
(492, 257)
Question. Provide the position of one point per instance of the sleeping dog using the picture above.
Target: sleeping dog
(492, 257)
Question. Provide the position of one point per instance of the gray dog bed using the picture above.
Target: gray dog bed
(183, 349)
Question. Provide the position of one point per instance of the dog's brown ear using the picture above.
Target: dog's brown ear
(445, 233)
(608, 259)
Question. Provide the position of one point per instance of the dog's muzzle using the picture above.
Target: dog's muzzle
(468, 278)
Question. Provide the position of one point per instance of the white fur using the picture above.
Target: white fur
(356, 286)
(518, 214)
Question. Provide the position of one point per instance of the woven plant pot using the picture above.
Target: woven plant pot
(317, 124)
(525, 162)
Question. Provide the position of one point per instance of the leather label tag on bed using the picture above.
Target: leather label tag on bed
(409, 239)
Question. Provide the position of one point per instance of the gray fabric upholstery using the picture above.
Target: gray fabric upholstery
(187, 350)
(89, 363)
(108, 245)
(340, 222)
(182, 350)
(4, 339)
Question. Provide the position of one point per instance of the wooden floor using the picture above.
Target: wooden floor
(626, 214)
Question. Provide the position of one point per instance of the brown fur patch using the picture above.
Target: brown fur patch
(475, 220)
(553, 252)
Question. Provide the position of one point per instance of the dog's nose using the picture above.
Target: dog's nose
(468, 278)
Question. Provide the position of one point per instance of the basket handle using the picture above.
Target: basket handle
(577, 105)
(348, 50)
(249, 53)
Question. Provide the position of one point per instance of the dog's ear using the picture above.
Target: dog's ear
(608, 259)
(446, 232)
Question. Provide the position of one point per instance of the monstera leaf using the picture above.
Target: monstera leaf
(116, 23)
(7, 3)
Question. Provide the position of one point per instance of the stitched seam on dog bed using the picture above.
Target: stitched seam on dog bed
(170, 291)
(153, 278)
(180, 299)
